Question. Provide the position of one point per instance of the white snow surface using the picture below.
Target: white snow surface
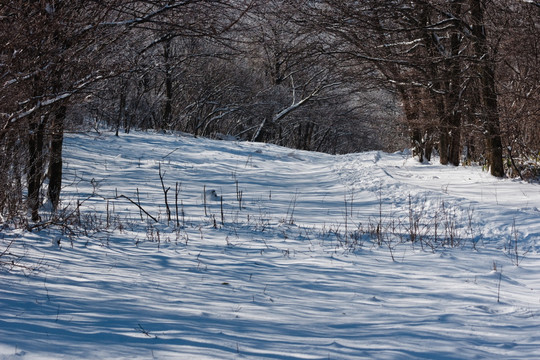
(295, 268)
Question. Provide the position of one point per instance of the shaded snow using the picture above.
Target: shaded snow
(279, 279)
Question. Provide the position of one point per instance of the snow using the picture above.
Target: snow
(293, 269)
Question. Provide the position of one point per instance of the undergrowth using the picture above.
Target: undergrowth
(423, 224)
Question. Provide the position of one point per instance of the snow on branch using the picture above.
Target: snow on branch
(83, 83)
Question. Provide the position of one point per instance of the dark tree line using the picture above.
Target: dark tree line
(458, 78)
(445, 62)
(50, 52)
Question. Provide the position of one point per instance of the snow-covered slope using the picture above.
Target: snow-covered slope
(274, 254)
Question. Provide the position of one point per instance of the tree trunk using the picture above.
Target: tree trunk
(257, 136)
(35, 164)
(493, 129)
(410, 110)
(55, 157)
(444, 130)
(489, 103)
(454, 87)
(167, 112)
(122, 109)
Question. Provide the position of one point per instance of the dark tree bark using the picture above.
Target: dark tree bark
(55, 157)
(34, 173)
(167, 112)
(489, 101)
(410, 110)
(121, 117)
(454, 88)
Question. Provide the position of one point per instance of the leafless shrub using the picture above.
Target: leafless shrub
(512, 246)
(11, 261)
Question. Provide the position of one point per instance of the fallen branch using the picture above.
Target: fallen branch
(137, 205)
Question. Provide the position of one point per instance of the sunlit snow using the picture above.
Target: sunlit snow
(272, 253)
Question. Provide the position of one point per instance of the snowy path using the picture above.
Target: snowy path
(275, 281)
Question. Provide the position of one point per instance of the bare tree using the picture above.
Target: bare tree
(517, 60)
(438, 55)
(55, 50)
(489, 98)
(48, 57)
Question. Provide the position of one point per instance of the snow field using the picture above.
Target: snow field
(294, 271)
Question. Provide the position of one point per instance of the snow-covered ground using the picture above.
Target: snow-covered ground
(275, 254)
